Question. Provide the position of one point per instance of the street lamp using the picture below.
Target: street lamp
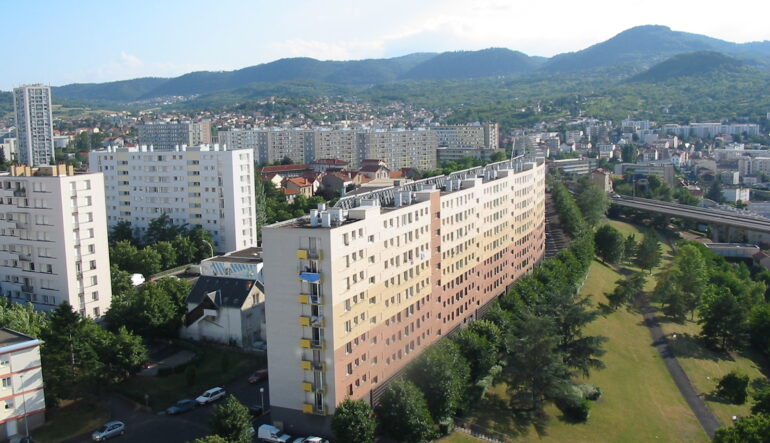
(262, 398)
(210, 247)
(24, 405)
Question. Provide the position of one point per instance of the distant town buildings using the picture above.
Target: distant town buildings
(53, 246)
(22, 388)
(204, 186)
(166, 136)
(34, 125)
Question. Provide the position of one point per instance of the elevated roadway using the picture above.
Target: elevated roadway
(715, 217)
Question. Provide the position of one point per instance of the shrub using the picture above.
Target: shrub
(574, 408)
(733, 387)
(590, 392)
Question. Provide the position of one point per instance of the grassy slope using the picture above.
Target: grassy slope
(640, 401)
(70, 420)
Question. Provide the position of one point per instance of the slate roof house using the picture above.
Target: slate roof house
(225, 310)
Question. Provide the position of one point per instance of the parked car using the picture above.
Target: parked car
(181, 406)
(109, 430)
(211, 395)
(311, 439)
(258, 376)
(272, 434)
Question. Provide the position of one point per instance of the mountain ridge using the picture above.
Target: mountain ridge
(624, 55)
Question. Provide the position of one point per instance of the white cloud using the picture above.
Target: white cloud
(131, 61)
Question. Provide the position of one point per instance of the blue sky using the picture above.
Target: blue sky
(60, 42)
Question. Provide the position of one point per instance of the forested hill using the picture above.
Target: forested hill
(620, 57)
(690, 64)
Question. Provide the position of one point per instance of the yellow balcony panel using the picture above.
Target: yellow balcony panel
(304, 343)
(302, 254)
(306, 365)
(304, 299)
(307, 408)
(307, 387)
(304, 321)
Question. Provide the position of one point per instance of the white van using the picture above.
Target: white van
(272, 434)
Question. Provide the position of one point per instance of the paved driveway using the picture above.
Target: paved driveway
(145, 427)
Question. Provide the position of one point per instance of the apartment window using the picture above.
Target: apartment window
(95, 295)
(93, 280)
(96, 312)
(9, 404)
(92, 264)
(6, 382)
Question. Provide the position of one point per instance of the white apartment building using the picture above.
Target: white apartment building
(166, 136)
(398, 148)
(21, 384)
(34, 124)
(204, 186)
(356, 292)
(53, 239)
(475, 136)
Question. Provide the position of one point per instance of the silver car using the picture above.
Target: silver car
(109, 430)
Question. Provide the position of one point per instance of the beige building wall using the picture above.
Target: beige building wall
(393, 279)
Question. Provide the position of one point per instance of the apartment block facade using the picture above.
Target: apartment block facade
(21, 384)
(398, 148)
(53, 239)
(34, 125)
(356, 292)
(166, 136)
(205, 186)
(478, 136)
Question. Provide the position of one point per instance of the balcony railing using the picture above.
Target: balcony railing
(27, 288)
(311, 344)
(309, 408)
(310, 277)
(307, 299)
(315, 321)
(21, 192)
(309, 365)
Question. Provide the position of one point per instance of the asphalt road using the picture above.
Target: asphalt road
(145, 427)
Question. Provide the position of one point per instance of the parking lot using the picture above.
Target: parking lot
(146, 427)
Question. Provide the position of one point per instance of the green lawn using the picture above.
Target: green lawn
(165, 391)
(71, 420)
(640, 401)
(705, 367)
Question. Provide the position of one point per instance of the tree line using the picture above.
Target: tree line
(532, 338)
(164, 245)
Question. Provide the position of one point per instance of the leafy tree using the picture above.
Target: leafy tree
(715, 192)
(723, 320)
(691, 275)
(168, 258)
(123, 355)
(231, 421)
(626, 289)
(648, 253)
(404, 414)
(203, 243)
(592, 201)
(443, 375)
(120, 281)
(609, 244)
(57, 356)
(478, 352)
(759, 327)
(122, 231)
(668, 292)
(162, 228)
(629, 152)
(733, 387)
(186, 251)
(751, 429)
(630, 247)
(570, 314)
(123, 255)
(148, 262)
(354, 422)
(22, 318)
(260, 205)
(761, 402)
(537, 368)
(154, 310)
(211, 439)
(489, 330)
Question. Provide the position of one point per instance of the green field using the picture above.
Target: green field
(640, 401)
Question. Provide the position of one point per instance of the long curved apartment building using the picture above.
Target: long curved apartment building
(355, 292)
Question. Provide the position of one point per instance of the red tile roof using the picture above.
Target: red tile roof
(329, 161)
(283, 168)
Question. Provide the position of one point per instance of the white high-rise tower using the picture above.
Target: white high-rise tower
(34, 124)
